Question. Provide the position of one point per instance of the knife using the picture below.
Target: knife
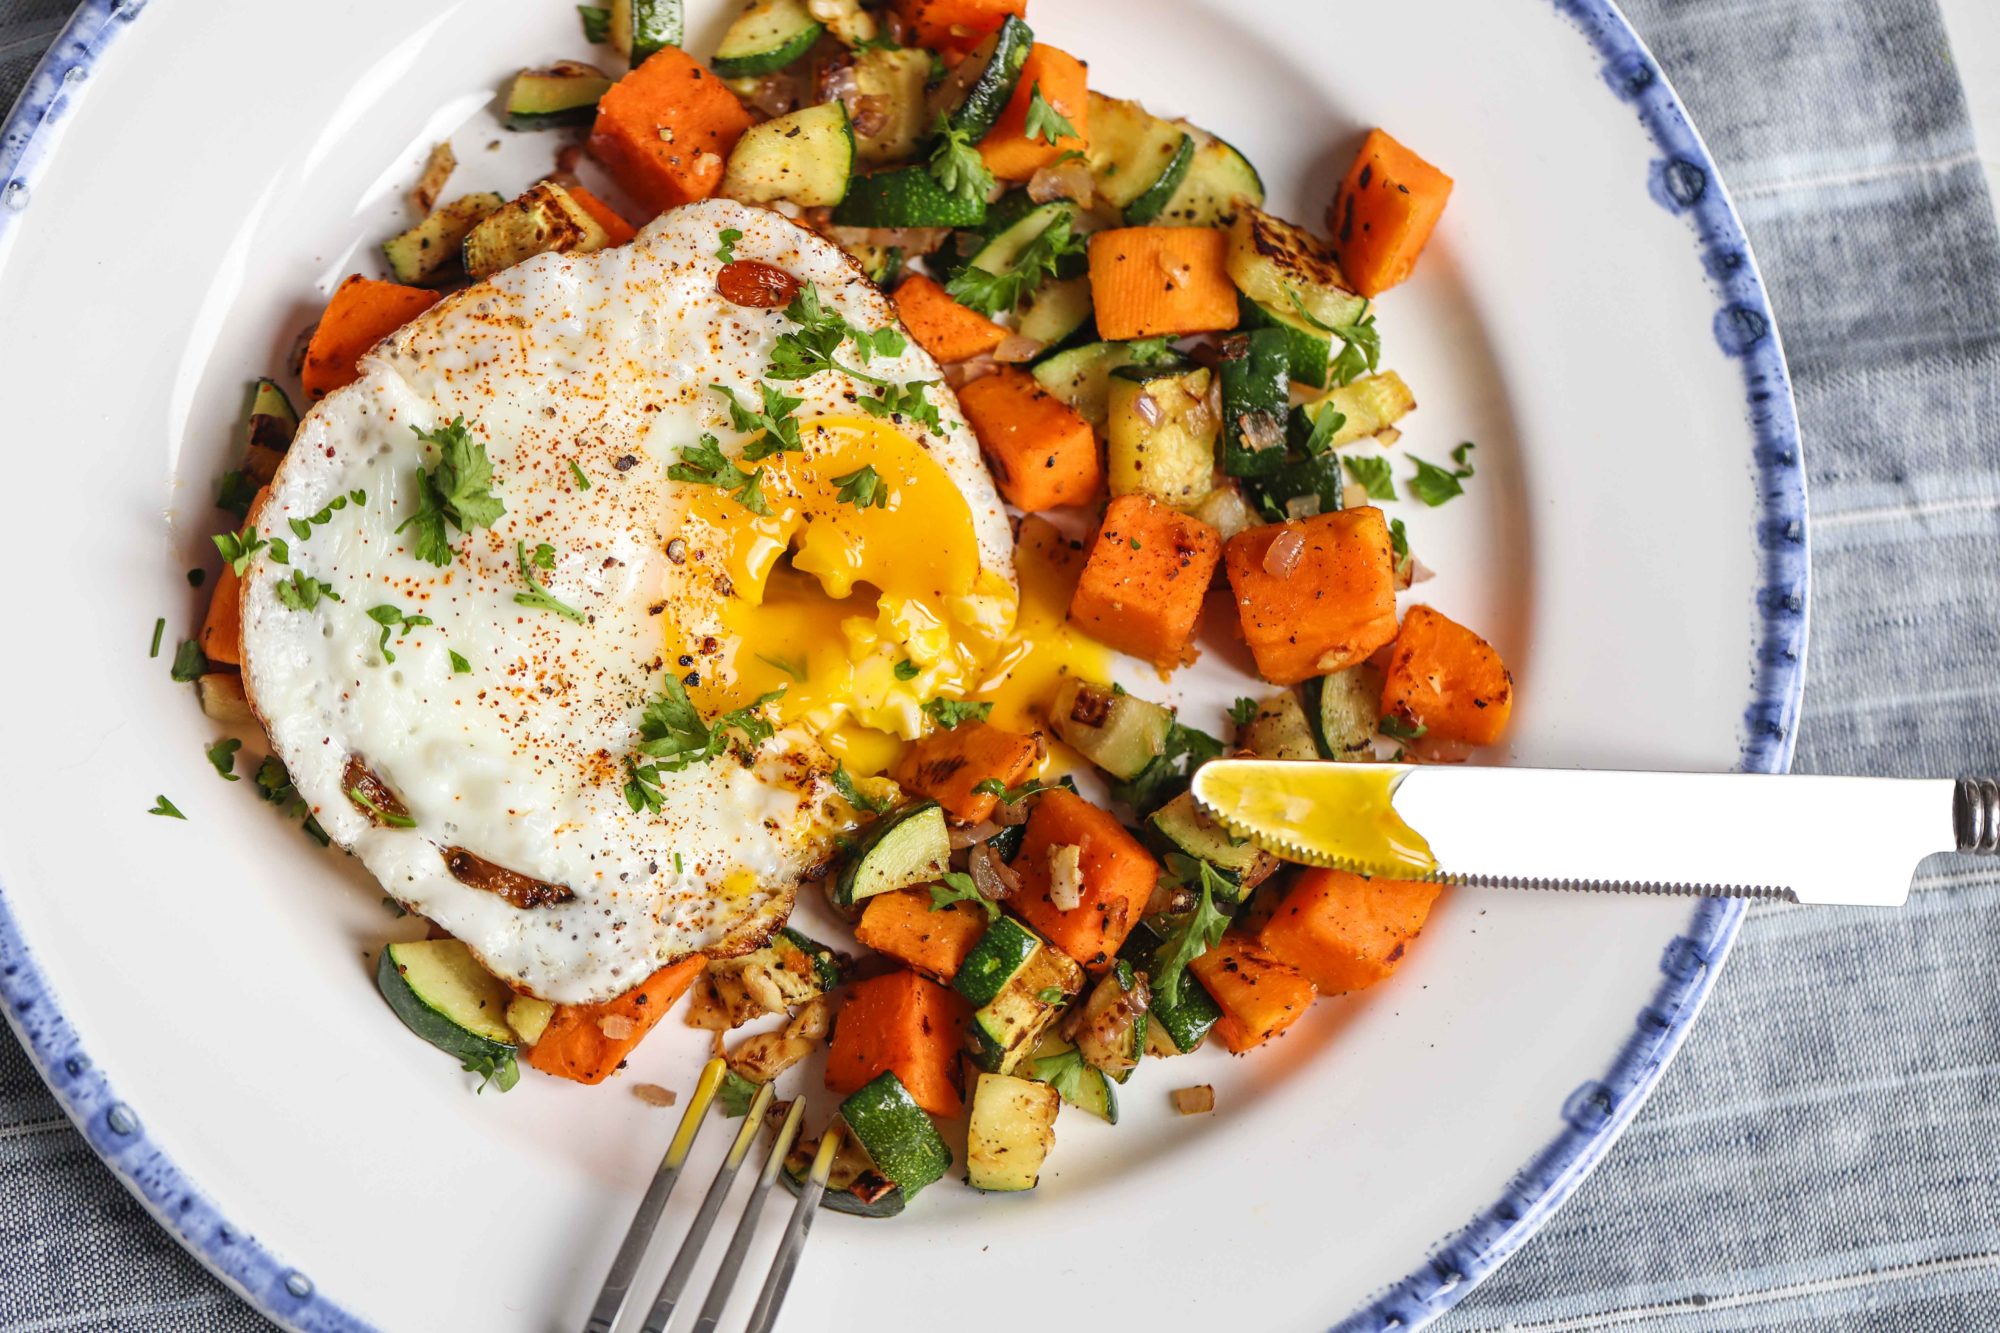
(1808, 839)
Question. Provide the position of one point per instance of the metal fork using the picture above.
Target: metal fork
(611, 1297)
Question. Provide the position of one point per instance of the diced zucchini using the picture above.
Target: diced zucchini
(273, 421)
(433, 247)
(640, 28)
(905, 848)
(1187, 1020)
(974, 94)
(1185, 827)
(565, 93)
(1160, 435)
(529, 1017)
(438, 166)
(894, 77)
(443, 995)
(222, 698)
(1133, 152)
(1280, 730)
(1001, 252)
(1081, 377)
(1012, 1128)
(1308, 351)
(543, 220)
(806, 157)
(789, 971)
(853, 1186)
(1005, 1030)
(1075, 1080)
(1227, 511)
(1370, 405)
(897, 1134)
(1120, 733)
(1256, 393)
(1059, 313)
(906, 197)
(803, 955)
(1001, 952)
(1344, 709)
(1219, 181)
(766, 37)
(1111, 1033)
(1272, 262)
(1153, 200)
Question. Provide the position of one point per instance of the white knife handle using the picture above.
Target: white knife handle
(1975, 815)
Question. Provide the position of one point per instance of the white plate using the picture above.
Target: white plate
(1633, 542)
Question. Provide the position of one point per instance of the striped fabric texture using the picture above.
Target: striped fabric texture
(1825, 1154)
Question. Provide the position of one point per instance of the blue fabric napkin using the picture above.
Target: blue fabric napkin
(1825, 1154)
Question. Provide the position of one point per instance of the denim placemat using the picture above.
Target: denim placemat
(1825, 1154)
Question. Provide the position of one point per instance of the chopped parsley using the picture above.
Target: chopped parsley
(1151, 351)
(863, 488)
(1373, 474)
(502, 1071)
(706, 465)
(1194, 933)
(274, 784)
(391, 618)
(163, 806)
(376, 812)
(1065, 1072)
(726, 252)
(906, 400)
(1399, 543)
(843, 782)
(734, 1094)
(671, 730)
(907, 670)
(538, 597)
(1399, 728)
(1435, 485)
(458, 492)
(238, 547)
(301, 593)
(190, 663)
(1243, 712)
(234, 491)
(222, 755)
(459, 666)
(302, 528)
(959, 888)
(582, 482)
(1044, 121)
(956, 164)
(1360, 343)
(780, 432)
(1012, 795)
(596, 23)
(159, 628)
(810, 348)
(949, 713)
(1051, 995)
(1167, 772)
(990, 293)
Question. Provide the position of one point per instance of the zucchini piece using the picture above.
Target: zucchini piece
(443, 995)
(895, 78)
(806, 157)
(1012, 1128)
(787, 972)
(273, 420)
(765, 38)
(1006, 844)
(1001, 252)
(1186, 1022)
(1309, 351)
(1344, 710)
(1001, 952)
(1153, 200)
(1111, 1034)
(565, 93)
(542, 220)
(803, 955)
(905, 848)
(1075, 1080)
(1081, 377)
(432, 248)
(1279, 731)
(1120, 733)
(1167, 450)
(1005, 1030)
(1272, 262)
(529, 1017)
(1256, 394)
(639, 28)
(1182, 825)
(897, 1134)
(974, 94)
(852, 1186)
(847, 20)
(905, 197)
(1059, 314)
(1131, 150)
(1218, 182)
(1370, 405)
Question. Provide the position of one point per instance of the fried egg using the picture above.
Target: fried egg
(470, 730)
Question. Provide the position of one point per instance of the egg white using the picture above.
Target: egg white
(604, 360)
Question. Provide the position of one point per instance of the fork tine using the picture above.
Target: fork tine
(794, 1243)
(739, 1244)
(696, 1239)
(639, 1235)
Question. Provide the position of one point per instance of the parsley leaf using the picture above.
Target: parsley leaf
(1044, 121)
(386, 817)
(1166, 773)
(458, 491)
(190, 663)
(222, 755)
(990, 293)
(907, 670)
(949, 713)
(726, 252)
(642, 787)
(234, 491)
(956, 164)
(238, 547)
(1064, 1072)
(863, 488)
(1195, 933)
(1461, 456)
(809, 349)
(1243, 712)
(959, 888)
(843, 782)
(537, 596)
(735, 1094)
(1399, 538)
(302, 594)
(274, 784)
(1012, 795)
(1397, 727)
(502, 1071)
(163, 806)
(582, 482)
(671, 730)
(905, 400)
(1151, 351)
(705, 464)
(797, 670)
(302, 528)
(780, 432)
(1432, 484)
(1374, 475)
(596, 23)
(1361, 348)
(459, 666)
(390, 618)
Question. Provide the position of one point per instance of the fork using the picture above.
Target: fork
(617, 1288)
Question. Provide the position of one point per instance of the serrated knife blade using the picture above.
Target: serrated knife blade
(1811, 839)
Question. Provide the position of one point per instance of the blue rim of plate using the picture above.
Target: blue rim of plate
(1683, 180)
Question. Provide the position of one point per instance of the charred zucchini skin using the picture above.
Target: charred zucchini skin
(905, 197)
(1001, 952)
(991, 87)
(806, 156)
(562, 94)
(905, 848)
(898, 1134)
(641, 28)
(445, 997)
(1180, 826)
(1005, 1030)
(1185, 1022)
(765, 38)
(1256, 385)
(1153, 200)
(430, 250)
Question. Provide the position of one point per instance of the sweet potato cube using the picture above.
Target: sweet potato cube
(362, 313)
(1385, 212)
(1446, 679)
(588, 1042)
(1042, 454)
(944, 328)
(1346, 932)
(617, 230)
(1324, 611)
(666, 129)
(1144, 580)
(1259, 995)
(1010, 152)
(906, 1024)
(956, 25)
(947, 764)
(1147, 281)
(933, 940)
(1118, 878)
(222, 627)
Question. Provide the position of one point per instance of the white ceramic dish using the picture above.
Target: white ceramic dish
(185, 181)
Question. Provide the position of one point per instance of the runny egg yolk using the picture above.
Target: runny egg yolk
(861, 614)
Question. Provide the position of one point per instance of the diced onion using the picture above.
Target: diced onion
(1301, 506)
(616, 1027)
(1069, 179)
(1353, 495)
(870, 112)
(958, 374)
(1261, 430)
(962, 838)
(1014, 349)
(1282, 556)
(993, 877)
(654, 1095)
(1147, 407)
(1066, 876)
(1198, 1100)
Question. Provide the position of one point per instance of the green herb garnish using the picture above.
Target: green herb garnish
(390, 618)
(706, 465)
(956, 164)
(863, 488)
(222, 755)
(163, 806)
(906, 400)
(959, 888)
(1044, 121)
(949, 713)
(458, 491)
(190, 663)
(1195, 933)
(726, 252)
(1373, 474)
(301, 593)
(990, 293)
(537, 596)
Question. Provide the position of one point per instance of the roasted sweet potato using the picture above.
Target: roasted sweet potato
(949, 763)
(1446, 679)
(956, 25)
(907, 1024)
(1385, 212)
(1011, 153)
(1042, 454)
(665, 130)
(1118, 878)
(587, 1042)
(944, 328)
(1148, 281)
(616, 228)
(222, 627)
(1346, 932)
(1143, 583)
(362, 313)
(1260, 996)
(908, 927)
(1323, 608)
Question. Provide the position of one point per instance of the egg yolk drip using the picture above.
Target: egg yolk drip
(861, 614)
